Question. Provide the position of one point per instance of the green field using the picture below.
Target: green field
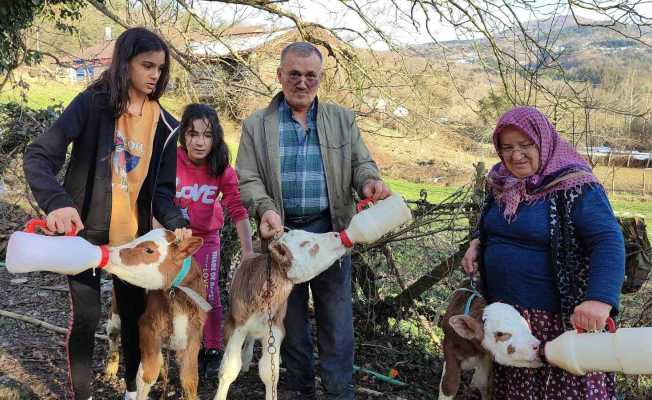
(42, 95)
(411, 190)
(635, 205)
(621, 203)
(39, 96)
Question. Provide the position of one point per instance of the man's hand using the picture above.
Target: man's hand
(63, 220)
(590, 315)
(183, 233)
(270, 224)
(470, 260)
(375, 190)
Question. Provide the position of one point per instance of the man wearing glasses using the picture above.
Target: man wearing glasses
(298, 163)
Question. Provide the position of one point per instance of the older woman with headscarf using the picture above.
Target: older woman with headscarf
(549, 245)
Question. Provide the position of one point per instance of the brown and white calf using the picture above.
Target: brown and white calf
(152, 262)
(487, 333)
(296, 257)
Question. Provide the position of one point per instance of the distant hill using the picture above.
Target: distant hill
(583, 51)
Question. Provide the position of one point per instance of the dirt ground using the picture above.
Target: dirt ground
(33, 359)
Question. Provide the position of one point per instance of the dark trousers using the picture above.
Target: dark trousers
(331, 292)
(82, 324)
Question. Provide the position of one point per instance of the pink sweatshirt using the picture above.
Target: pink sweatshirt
(202, 197)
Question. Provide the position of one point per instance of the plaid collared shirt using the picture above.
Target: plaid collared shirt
(303, 181)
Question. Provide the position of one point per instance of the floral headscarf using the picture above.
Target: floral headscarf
(560, 166)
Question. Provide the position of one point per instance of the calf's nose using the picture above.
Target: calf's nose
(536, 345)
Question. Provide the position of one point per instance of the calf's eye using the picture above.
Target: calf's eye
(502, 336)
(148, 250)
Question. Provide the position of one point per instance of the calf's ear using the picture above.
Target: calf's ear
(280, 253)
(467, 327)
(188, 247)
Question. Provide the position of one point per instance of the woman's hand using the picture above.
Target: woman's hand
(470, 260)
(182, 233)
(590, 315)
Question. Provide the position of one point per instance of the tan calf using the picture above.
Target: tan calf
(153, 261)
(298, 256)
(476, 338)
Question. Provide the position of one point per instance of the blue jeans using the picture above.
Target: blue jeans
(331, 292)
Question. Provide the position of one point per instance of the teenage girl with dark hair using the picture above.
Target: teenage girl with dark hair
(203, 174)
(121, 173)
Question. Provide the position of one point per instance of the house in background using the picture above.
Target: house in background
(232, 69)
(90, 62)
(236, 70)
(229, 57)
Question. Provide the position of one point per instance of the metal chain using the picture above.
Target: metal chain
(271, 340)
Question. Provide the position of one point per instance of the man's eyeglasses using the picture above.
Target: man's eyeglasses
(295, 77)
(508, 150)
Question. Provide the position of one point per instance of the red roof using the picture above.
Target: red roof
(100, 53)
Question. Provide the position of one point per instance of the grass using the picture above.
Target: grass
(41, 94)
(410, 190)
(632, 204)
(621, 203)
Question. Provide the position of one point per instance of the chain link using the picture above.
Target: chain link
(271, 340)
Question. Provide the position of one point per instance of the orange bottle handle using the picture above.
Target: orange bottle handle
(32, 224)
(362, 204)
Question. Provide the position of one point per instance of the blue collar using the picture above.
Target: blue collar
(182, 272)
(469, 301)
(474, 294)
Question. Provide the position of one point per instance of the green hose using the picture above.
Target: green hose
(380, 376)
(396, 382)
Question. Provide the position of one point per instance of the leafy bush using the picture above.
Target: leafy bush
(20, 124)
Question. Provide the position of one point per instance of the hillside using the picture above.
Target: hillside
(583, 51)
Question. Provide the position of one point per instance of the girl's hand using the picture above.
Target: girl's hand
(182, 233)
(590, 315)
(247, 254)
(63, 220)
(470, 260)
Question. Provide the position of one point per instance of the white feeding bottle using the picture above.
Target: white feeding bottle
(68, 255)
(626, 350)
(371, 224)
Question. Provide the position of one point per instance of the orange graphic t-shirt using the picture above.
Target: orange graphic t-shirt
(132, 152)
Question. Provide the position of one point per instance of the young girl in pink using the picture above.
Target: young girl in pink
(206, 185)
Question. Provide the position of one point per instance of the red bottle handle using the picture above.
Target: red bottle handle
(32, 224)
(362, 204)
(611, 326)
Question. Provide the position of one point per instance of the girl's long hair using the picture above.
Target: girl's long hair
(115, 80)
(218, 158)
